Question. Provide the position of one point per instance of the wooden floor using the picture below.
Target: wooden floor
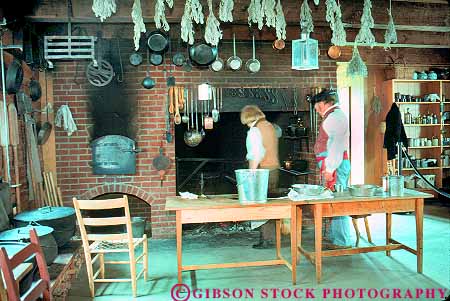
(399, 271)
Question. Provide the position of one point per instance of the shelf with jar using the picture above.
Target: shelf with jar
(423, 107)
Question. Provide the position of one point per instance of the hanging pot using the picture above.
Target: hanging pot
(158, 41)
(253, 65)
(156, 59)
(46, 239)
(334, 52)
(12, 248)
(234, 62)
(136, 59)
(61, 219)
(44, 132)
(35, 90)
(203, 54)
(218, 64)
(14, 77)
(278, 44)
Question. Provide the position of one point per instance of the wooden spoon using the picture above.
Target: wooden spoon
(170, 100)
(177, 117)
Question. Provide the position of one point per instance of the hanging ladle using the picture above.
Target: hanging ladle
(148, 82)
(185, 118)
(215, 112)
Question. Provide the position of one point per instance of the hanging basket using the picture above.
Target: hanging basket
(398, 70)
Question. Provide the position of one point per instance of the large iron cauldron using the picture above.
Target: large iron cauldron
(61, 219)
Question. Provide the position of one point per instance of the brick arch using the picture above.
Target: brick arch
(118, 188)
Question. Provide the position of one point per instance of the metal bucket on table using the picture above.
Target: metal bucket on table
(252, 185)
(396, 185)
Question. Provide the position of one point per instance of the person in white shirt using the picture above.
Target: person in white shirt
(262, 152)
(331, 150)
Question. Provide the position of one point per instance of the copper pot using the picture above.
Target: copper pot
(278, 44)
(334, 52)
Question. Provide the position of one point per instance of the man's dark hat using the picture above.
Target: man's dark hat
(324, 95)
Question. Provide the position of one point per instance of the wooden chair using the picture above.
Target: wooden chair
(40, 288)
(366, 223)
(101, 244)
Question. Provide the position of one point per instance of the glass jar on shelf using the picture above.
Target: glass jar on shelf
(408, 117)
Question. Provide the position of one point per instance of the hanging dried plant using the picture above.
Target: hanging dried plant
(280, 22)
(334, 17)
(213, 34)
(268, 7)
(316, 2)
(104, 8)
(187, 28)
(390, 36)
(226, 10)
(196, 11)
(339, 37)
(255, 13)
(160, 14)
(306, 20)
(365, 34)
(356, 67)
(139, 26)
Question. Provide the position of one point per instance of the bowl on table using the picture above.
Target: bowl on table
(308, 189)
(363, 190)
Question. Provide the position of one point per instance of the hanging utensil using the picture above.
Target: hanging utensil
(14, 77)
(185, 118)
(136, 59)
(215, 112)
(218, 64)
(158, 41)
(202, 116)
(253, 65)
(35, 90)
(168, 133)
(177, 116)
(148, 82)
(188, 133)
(161, 163)
(14, 141)
(334, 52)
(234, 62)
(178, 59)
(203, 54)
(102, 73)
(187, 66)
(156, 59)
(209, 121)
(278, 44)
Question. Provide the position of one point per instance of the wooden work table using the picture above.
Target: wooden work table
(344, 204)
(227, 208)
(222, 209)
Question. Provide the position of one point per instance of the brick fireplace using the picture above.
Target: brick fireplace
(73, 154)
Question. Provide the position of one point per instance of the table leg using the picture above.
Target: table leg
(388, 231)
(318, 240)
(278, 237)
(419, 234)
(294, 248)
(179, 233)
(299, 231)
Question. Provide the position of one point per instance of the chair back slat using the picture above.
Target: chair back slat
(105, 221)
(102, 204)
(117, 236)
(40, 287)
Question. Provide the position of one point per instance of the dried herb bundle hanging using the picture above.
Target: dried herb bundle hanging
(390, 36)
(365, 34)
(255, 13)
(139, 26)
(356, 67)
(334, 17)
(306, 21)
(280, 22)
(104, 8)
(160, 14)
(213, 34)
(226, 10)
(192, 12)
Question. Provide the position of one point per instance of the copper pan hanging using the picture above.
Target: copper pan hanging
(334, 52)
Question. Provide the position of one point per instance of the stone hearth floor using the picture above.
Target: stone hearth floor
(370, 270)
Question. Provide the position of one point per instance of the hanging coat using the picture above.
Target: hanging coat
(395, 132)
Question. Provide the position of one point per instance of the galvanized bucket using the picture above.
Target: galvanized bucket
(252, 185)
(396, 185)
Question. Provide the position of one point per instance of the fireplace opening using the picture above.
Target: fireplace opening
(207, 168)
(139, 211)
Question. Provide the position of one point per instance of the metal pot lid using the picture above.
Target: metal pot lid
(157, 41)
(23, 233)
(12, 247)
(45, 213)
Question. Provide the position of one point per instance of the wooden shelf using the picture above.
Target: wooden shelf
(420, 125)
(422, 168)
(420, 80)
(417, 103)
(423, 147)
